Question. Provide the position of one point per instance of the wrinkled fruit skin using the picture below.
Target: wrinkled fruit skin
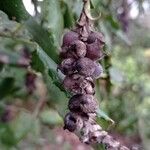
(79, 55)
(93, 51)
(79, 48)
(70, 122)
(67, 66)
(83, 103)
(96, 36)
(85, 66)
(78, 84)
(69, 37)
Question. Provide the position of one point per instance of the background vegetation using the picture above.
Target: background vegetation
(32, 100)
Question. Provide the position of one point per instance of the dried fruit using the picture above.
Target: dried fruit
(94, 51)
(73, 122)
(79, 48)
(83, 103)
(70, 122)
(69, 37)
(67, 66)
(96, 36)
(85, 66)
(78, 84)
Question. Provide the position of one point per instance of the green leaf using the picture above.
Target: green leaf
(43, 63)
(58, 99)
(123, 37)
(44, 38)
(11, 32)
(68, 16)
(143, 114)
(51, 117)
(11, 133)
(13, 58)
(52, 17)
(14, 9)
(94, 3)
(7, 137)
(111, 20)
(107, 34)
(53, 78)
(102, 114)
(22, 125)
(6, 87)
(6, 24)
(36, 62)
(49, 64)
(57, 81)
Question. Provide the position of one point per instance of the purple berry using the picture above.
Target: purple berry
(79, 48)
(83, 103)
(96, 36)
(85, 66)
(94, 51)
(70, 122)
(67, 66)
(77, 84)
(69, 37)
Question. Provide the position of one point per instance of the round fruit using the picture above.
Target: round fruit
(79, 48)
(69, 37)
(94, 51)
(67, 66)
(85, 66)
(77, 84)
(83, 103)
(96, 36)
(70, 122)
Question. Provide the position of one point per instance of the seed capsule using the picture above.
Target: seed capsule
(69, 37)
(79, 48)
(85, 66)
(63, 52)
(98, 71)
(77, 84)
(67, 66)
(83, 103)
(73, 122)
(94, 51)
(96, 36)
(70, 122)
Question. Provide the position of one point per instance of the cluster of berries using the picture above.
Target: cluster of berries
(80, 55)
(81, 50)
(80, 65)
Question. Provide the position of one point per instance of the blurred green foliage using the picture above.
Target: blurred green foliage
(30, 45)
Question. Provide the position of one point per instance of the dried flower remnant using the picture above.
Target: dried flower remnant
(81, 49)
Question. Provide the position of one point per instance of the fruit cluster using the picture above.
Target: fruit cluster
(81, 50)
(80, 65)
(80, 57)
